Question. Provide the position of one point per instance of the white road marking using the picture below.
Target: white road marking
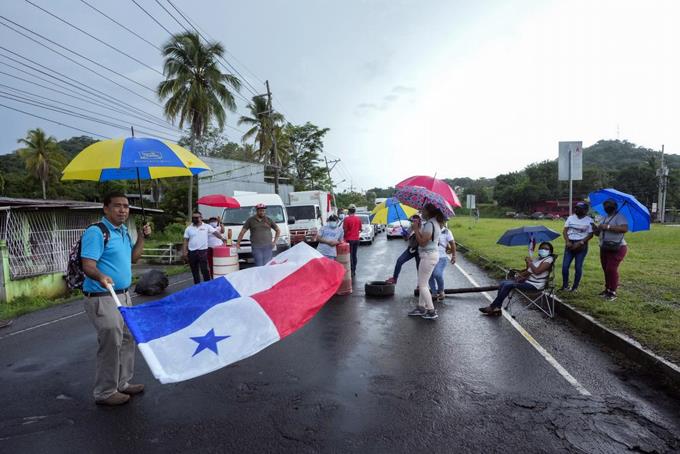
(539, 348)
(66, 317)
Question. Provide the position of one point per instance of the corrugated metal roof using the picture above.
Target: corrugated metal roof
(19, 203)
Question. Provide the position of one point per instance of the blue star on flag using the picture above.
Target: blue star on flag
(208, 341)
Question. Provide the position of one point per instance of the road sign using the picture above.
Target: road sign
(470, 202)
(570, 162)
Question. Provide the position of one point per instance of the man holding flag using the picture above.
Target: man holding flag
(107, 257)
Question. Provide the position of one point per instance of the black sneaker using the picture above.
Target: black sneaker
(417, 312)
(603, 293)
(610, 296)
(430, 315)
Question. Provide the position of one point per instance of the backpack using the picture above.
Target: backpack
(75, 276)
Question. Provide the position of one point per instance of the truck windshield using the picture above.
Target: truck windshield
(238, 216)
(364, 219)
(302, 212)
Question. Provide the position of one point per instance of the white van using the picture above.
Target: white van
(234, 218)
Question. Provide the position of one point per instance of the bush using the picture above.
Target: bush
(171, 234)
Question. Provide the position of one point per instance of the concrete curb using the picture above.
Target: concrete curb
(629, 347)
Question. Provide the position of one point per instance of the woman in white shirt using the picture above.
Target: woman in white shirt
(534, 277)
(578, 230)
(446, 243)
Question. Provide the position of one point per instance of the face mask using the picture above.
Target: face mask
(332, 225)
(213, 224)
(195, 221)
(342, 216)
(543, 253)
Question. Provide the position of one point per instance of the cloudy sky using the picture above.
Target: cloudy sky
(456, 88)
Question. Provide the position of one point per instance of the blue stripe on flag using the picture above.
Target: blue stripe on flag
(159, 318)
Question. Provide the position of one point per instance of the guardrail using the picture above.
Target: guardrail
(166, 253)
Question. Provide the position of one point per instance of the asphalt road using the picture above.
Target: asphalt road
(360, 377)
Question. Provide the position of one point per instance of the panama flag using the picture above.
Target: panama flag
(216, 323)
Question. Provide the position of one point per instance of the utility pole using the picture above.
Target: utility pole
(662, 173)
(328, 170)
(277, 164)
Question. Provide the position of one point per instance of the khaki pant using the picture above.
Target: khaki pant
(428, 260)
(116, 351)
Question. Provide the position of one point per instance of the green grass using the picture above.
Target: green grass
(648, 306)
(26, 304)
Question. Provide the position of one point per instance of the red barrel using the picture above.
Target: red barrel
(225, 261)
(344, 259)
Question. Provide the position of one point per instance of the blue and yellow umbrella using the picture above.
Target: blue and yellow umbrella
(391, 211)
(131, 159)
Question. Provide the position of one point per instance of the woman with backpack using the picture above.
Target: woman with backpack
(427, 235)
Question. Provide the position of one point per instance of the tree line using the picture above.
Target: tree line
(607, 163)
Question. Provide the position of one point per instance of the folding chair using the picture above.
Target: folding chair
(543, 298)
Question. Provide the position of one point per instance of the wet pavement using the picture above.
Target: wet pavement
(359, 377)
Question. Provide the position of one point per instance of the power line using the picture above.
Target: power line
(43, 105)
(220, 58)
(75, 83)
(80, 64)
(94, 37)
(122, 26)
(75, 107)
(55, 122)
(152, 18)
(174, 18)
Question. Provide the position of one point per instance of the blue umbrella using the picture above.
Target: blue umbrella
(635, 213)
(523, 236)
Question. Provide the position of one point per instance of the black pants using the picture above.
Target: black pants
(353, 248)
(199, 259)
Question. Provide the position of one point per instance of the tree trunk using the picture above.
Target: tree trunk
(190, 201)
(44, 189)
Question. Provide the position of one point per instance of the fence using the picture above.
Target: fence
(38, 242)
(166, 253)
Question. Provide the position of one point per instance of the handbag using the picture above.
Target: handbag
(610, 246)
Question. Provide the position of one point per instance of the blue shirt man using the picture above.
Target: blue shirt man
(111, 264)
(114, 260)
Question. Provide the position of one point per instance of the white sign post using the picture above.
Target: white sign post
(470, 204)
(570, 165)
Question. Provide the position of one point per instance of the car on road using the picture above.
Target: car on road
(395, 229)
(367, 234)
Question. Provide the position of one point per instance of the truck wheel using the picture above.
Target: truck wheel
(379, 289)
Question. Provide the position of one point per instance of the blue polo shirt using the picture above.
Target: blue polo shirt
(115, 260)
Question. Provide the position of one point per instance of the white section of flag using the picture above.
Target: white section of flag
(258, 279)
(242, 319)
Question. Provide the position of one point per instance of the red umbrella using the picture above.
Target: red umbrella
(438, 186)
(219, 200)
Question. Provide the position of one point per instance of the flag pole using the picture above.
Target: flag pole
(113, 294)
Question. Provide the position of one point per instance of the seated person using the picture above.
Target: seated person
(533, 277)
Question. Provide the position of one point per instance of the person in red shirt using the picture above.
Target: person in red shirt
(352, 227)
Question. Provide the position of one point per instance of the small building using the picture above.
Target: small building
(35, 240)
(228, 176)
(555, 207)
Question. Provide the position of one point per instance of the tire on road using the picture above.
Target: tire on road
(379, 289)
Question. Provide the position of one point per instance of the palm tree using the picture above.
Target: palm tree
(42, 156)
(197, 92)
(264, 124)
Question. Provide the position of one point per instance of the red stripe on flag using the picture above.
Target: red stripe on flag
(297, 298)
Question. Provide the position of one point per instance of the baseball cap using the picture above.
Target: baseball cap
(582, 205)
(260, 205)
(352, 206)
